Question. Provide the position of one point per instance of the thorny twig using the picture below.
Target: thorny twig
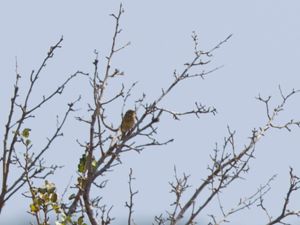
(111, 145)
(285, 212)
(130, 204)
(26, 112)
(227, 167)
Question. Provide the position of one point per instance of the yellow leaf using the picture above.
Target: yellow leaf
(34, 208)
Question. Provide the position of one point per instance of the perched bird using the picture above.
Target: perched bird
(128, 122)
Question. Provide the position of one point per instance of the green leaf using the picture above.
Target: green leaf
(66, 219)
(80, 220)
(16, 132)
(42, 190)
(94, 164)
(53, 197)
(50, 187)
(81, 165)
(56, 208)
(34, 208)
(26, 132)
(27, 142)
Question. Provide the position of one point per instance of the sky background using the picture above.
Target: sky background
(263, 53)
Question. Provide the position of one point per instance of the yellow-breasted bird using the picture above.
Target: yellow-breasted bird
(128, 122)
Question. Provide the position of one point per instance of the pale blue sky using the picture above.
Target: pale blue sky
(263, 53)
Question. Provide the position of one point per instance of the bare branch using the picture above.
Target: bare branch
(285, 212)
(130, 204)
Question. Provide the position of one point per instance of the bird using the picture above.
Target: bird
(128, 122)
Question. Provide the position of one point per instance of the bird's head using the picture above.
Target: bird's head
(130, 113)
